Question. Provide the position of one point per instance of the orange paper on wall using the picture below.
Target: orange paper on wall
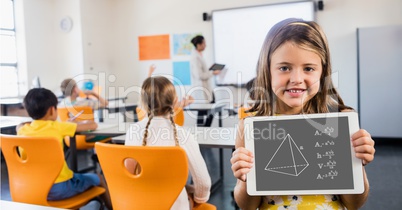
(154, 47)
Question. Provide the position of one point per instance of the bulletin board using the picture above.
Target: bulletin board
(171, 54)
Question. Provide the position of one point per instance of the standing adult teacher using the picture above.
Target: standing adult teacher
(201, 77)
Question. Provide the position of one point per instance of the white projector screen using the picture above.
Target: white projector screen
(239, 33)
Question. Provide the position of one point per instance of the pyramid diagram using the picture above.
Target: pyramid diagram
(288, 159)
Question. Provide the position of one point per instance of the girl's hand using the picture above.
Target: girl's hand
(90, 93)
(151, 70)
(187, 100)
(363, 145)
(242, 160)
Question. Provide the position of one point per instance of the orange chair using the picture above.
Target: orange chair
(178, 117)
(81, 143)
(163, 176)
(140, 113)
(64, 114)
(31, 179)
(204, 206)
(243, 114)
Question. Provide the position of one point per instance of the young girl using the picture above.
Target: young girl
(158, 97)
(294, 77)
(71, 94)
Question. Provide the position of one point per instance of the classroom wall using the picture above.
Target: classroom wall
(50, 53)
(97, 36)
(105, 34)
(340, 20)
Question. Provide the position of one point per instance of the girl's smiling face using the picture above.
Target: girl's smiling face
(295, 77)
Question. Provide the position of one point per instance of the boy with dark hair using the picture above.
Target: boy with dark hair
(38, 110)
(41, 105)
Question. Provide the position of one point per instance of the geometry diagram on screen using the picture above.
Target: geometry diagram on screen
(288, 159)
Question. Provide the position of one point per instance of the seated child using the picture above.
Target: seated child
(71, 94)
(158, 97)
(41, 105)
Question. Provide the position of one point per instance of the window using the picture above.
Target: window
(8, 51)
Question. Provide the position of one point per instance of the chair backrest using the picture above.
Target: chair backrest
(243, 114)
(178, 115)
(88, 114)
(163, 175)
(30, 179)
(66, 112)
(141, 114)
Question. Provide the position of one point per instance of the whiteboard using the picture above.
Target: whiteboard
(303, 154)
(238, 35)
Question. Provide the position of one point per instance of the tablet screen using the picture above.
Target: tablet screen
(217, 66)
(303, 155)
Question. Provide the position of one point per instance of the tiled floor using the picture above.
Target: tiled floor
(384, 173)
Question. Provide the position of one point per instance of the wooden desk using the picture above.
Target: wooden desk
(23, 206)
(211, 137)
(9, 102)
(9, 123)
(123, 108)
(211, 109)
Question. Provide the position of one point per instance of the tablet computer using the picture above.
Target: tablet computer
(217, 66)
(303, 154)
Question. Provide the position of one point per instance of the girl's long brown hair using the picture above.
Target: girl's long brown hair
(308, 35)
(158, 96)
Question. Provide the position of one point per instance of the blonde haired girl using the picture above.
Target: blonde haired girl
(158, 96)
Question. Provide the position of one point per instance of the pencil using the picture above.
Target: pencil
(77, 115)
